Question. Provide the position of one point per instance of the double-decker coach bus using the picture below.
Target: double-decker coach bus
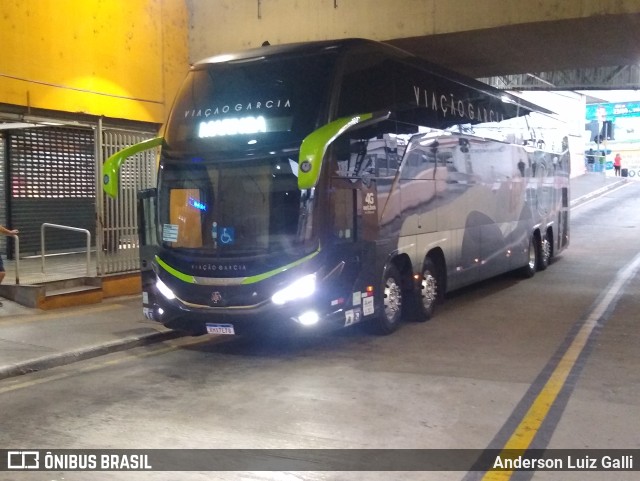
(337, 182)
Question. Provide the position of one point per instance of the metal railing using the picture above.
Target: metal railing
(17, 255)
(65, 227)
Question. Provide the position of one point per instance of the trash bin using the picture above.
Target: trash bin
(624, 172)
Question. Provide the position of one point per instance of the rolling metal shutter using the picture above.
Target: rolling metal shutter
(3, 196)
(51, 174)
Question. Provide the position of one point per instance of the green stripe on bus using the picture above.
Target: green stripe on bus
(248, 280)
(174, 272)
(261, 277)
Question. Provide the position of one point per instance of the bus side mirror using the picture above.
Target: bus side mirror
(111, 167)
(315, 145)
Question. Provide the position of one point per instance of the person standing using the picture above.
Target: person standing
(617, 163)
(5, 231)
(591, 160)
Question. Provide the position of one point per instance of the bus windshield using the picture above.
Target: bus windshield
(252, 104)
(235, 209)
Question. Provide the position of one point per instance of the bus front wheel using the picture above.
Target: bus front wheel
(388, 320)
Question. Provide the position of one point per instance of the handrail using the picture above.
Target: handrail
(65, 227)
(17, 255)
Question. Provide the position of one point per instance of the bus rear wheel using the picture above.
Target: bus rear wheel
(428, 295)
(388, 320)
(546, 252)
(534, 258)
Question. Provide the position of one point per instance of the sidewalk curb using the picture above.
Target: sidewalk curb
(596, 193)
(69, 357)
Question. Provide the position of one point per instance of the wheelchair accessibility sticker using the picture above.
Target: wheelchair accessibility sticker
(223, 235)
(227, 236)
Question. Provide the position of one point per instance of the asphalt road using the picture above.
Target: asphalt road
(551, 362)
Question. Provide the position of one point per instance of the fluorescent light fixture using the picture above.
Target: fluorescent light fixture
(164, 290)
(300, 289)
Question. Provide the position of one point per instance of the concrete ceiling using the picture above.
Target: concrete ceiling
(608, 40)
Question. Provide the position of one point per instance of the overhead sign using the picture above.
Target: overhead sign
(232, 126)
(607, 111)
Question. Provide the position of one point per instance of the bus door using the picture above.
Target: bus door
(148, 247)
(356, 205)
(358, 188)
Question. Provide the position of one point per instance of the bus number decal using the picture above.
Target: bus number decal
(356, 298)
(352, 316)
(348, 317)
(170, 233)
(369, 203)
(367, 306)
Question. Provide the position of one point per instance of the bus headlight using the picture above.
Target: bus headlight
(164, 290)
(303, 287)
(309, 318)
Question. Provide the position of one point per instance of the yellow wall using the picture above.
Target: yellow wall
(220, 26)
(116, 58)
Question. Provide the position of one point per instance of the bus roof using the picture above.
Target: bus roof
(309, 48)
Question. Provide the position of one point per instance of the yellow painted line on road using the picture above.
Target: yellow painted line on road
(61, 314)
(525, 432)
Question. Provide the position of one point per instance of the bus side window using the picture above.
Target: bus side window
(375, 157)
(185, 214)
(343, 215)
(388, 164)
(419, 162)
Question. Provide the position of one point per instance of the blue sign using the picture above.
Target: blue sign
(226, 235)
(197, 204)
(610, 110)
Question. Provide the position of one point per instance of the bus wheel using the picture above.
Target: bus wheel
(545, 252)
(428, 295)
(389, 319)
(534, 254)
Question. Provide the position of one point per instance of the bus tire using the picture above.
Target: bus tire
(546, 251)
(389, 318)
(529, 270)
(429, 291)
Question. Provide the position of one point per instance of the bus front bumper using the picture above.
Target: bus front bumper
(238, 320)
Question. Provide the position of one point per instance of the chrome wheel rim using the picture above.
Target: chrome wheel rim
(429, 290)
(532, 254)
(392, 299)
(546, 250)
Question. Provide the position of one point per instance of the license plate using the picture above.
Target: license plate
(221, 329)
